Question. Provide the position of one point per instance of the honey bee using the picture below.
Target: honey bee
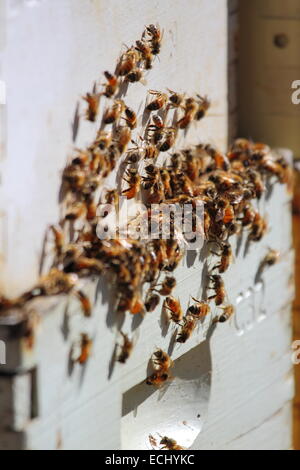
(91, 210)
(146, 53)
(131, 118)
(112, 86)
(277, 168)
(103, 140)
(112, 197)
(127, 62)
(170, 444)
(199, 310)
(156, 195)
(228, 312)
(190, 109)
(224, 211)
(192, 165)
(152, 441)
(159, 101)
(59, 239)
(85, 303)
(74, 177)
(271, 258)
(256, 180)
(176, 161)
(203, 106)
(221, 163)
(150, 152)
(161, 361)
(225, 181)
(136, 75)
(157, 128)
(169, 140)
(93, 101)
(156, 38)
(184, 122)
(186, 330)
(134, 181)
(226, 257)
(238, 194)
(167, 286)
(133, 155)
(258, 228)
(219, 288)
(207, 224)
(126, 349)
(175, 99)
(152, 177)
(233, 228)
(248, 216)
(113, 114)
(174, 307)
(123, 136)
(184, 184)
(166, 181)
(157, 379)
(86, 347)
(82, 265)
(240, 145)
(82, 159)
(136, 306)
(55, 282)
(259, 150)
(129, 300)
(174, 254)
(151, 302)
(78, 210)
(91, 185)
(285, 174)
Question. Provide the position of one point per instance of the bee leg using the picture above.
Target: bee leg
(168, 308)
(215, 253)
(155, 290)
(210, 287)
(216, 267)
(84, 302)
(212, 297)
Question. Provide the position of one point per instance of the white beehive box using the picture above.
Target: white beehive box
(233, 382)
(269, 65)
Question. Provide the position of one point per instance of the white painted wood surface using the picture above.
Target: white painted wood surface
(47, 75)
(237, 376)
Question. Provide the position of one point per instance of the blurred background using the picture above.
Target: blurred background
(264, 58)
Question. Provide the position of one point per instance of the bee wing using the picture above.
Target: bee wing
(143, 81)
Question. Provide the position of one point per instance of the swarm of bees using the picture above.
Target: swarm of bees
(227, 184)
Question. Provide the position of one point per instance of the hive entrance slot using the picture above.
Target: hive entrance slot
(177, 410)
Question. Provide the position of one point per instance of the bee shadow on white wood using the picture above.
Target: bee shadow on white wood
(177, 410)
